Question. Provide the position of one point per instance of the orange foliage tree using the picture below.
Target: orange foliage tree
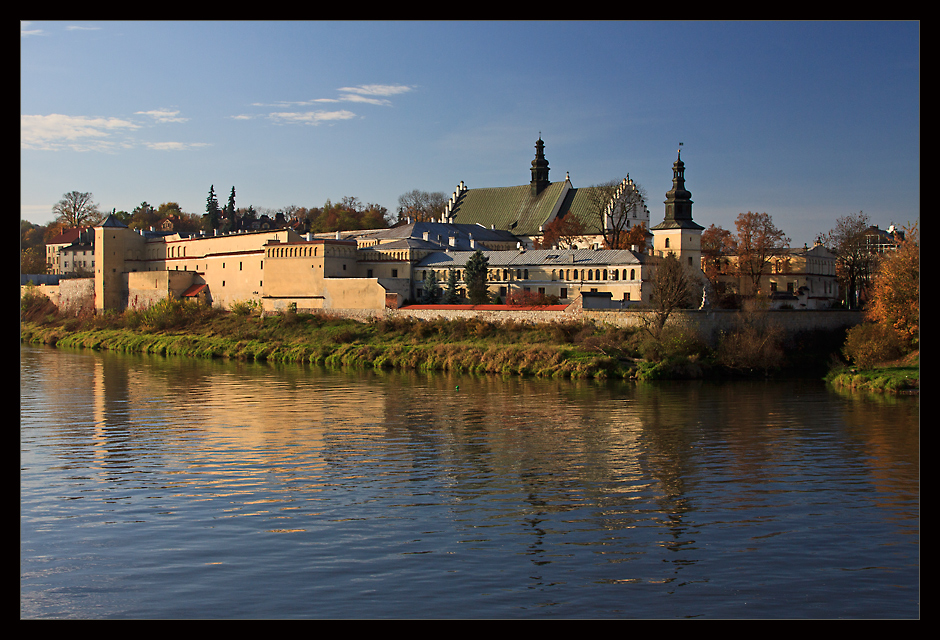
(562, 232)
(895, 294)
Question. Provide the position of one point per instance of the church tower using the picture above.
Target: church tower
(539, 168)
(678, 234)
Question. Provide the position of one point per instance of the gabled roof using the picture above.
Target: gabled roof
(536, 257)
(68, 237)
(512, 209)
(582, 204)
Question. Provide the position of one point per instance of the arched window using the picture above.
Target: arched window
(633, 274)
(667, 243)
(590, 274)
(605, 275)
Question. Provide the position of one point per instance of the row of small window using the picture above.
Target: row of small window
(560, 274)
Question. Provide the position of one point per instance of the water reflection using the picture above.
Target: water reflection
(439, 489)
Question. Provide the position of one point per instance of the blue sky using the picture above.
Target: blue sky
(806, 121)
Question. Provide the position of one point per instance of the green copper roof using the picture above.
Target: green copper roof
(512, 209)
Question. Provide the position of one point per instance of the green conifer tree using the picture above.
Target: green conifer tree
(431, 290)
(212, 215)
(474, 275)
(452, 295)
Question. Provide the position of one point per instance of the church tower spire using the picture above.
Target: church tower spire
(678, 234)
(539, 168)
(679, 199)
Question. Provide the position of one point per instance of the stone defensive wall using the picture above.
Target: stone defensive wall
(71, 295)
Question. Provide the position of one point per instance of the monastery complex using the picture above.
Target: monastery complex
(280, 268)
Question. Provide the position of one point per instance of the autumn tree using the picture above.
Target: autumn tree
(758, 242)
(32, 248)
(421, 206)
(143, 216)
(474, 275)
(717, 246)
(895, 292)
(636, 236)
(76, 209)
(561, 232)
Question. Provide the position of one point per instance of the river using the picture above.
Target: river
(158, 487)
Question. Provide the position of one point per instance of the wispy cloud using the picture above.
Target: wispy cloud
(372, 93)
(162, 115)
(376, 94)
(175, 146)
(310, 117)
(57, 132)
(26, 31)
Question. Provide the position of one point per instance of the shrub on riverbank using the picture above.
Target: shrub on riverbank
(569, 348)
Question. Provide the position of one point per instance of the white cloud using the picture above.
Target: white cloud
(175, 146)
(74, 27)
(162, 115)
(311, 117)
(364, 94)
(80, 133)
(367, 93)
(25, 31)
(377, 89)
(57, 132)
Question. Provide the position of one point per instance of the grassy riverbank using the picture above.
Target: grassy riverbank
(901, 376)
(568, 349)
(576, 350)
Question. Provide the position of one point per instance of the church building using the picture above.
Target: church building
(526, 210)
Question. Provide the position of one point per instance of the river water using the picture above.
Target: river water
(161, 487)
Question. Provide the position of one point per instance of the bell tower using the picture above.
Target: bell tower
(539, 168)
(678, 234)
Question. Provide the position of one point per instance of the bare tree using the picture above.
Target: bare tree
(854, 260)
(421, 206)
(612, 206)
(76, 209)
(673, 288)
